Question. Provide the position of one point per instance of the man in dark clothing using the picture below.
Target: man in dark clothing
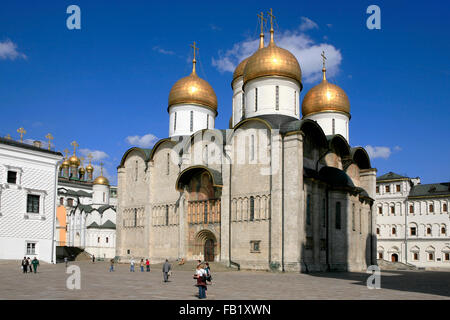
(93, 259)
(29, 264)
(24, 265)
(35, 263)
(166, 269)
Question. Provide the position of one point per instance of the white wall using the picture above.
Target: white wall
(183, 115)
(325, 120)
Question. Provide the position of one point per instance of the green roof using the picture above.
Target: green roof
(430, 190)
(93, 225)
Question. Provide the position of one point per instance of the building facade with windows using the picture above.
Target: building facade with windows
(276, 191)
(28, 184)
(412, 221)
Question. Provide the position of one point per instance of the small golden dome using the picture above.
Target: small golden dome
(239, 71)
(81, 170)
(193, 90)
(74, 161)
(325, 97)
(65, 164)
(101, 180)
(89, 168)
(272, 61)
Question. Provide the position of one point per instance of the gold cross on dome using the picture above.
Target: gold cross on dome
(270, 14)
(323, 58)
(49, 137)
(66, 151)
(101, 168)
(261, 16)
(195, 49)
(75, 145)
(21, 131)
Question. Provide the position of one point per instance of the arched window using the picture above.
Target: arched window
(106, 239)
(431, 208)
(333, 125)
(444, 207)
(207, 121)
(380, 210)
(308, 209)
(380, 255)
(256, 99)
(415, 256)
(243, 105)
(338, 216)
(252, 208)
(394, 231)
(429, 231)
(295, 102)
(175, 122)
(378, 231)
(135, 217)
(443, 230)
(252, 148)
(98, 239)
(411, 209)
(192, 121)
(393, 209)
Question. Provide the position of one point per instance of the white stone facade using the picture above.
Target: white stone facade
(185, 119)
(413, 227)
(27, 205)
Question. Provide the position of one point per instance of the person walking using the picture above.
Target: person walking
(166, 268)
(29, 265)
(24, 265)
(35, 264)
(142, 265)
(200, 275)
(147, 263)
(111, 268)
(208, 272)
(132, 265)
(66, 261)
(93, 258)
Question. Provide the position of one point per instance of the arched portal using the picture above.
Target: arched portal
(205, 246)
(394, 257)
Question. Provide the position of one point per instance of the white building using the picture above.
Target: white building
(412, 221)
(28, 184)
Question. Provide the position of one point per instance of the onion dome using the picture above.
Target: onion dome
(239, 71)
(82, 170)
(89, 168)
(65, 164)
(193, 90)
(74, 161)
(325, 97)
(101, 179)
(272, 61)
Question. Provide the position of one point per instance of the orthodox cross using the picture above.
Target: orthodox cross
(49, 137)
(270, 14)
(261, 36)
(66, 152)
(21, 131)
(194, 61)
(323, 61)
(101, 168)
(75, 145)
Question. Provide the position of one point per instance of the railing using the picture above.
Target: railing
(204, 212)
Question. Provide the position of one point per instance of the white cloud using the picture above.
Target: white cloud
(146, 141)
(8, 50)
(163, 51)
(307, 24)
(306, 50)
(97, 155)
(381, 152)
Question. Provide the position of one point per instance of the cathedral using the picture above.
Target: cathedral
(278, 190)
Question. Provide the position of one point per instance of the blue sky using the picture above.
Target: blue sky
(106, 86)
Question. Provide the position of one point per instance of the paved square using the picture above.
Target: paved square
(98, 283)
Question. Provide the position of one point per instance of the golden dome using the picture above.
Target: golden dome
(272, 61)
(239, 71)
(193, 90)
(325, 97)
(65, 164)
(89, 168)
(74, 161)
(81, 170)
(101, 180)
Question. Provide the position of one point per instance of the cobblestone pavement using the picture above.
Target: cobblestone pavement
(98, 283)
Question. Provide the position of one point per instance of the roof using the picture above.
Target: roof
(73, 193)
(391, 176)
(18, 144)
(430, 190)
(107, 225)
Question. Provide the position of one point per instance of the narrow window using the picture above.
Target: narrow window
(12, 177)
(393, 210)
(205, 212)
(98, 239)
(324, 213)
(252, 208)
(107, 239)
(360, 222)
(380, 210)
(443, 231)
(137, 171)
(333, 125)
(295, 102)
(252, 148)
(175, 122)
(338, 215)
(308, 210)
(135, 218)
(394, 231)
(413, 231)
(428, 231)
(243, 105)
(388, 189)
(207, 121)
(377, 189)
(353, 218)
(256, 99)
(430, 256)
(32, 203)
(444, 207)
(168, 164)
(192, 121)
(378, 231)
(277, 98)
(411, 209)
(167, 215)
(104, 197)
(431, 208)
(416, 256)
(397, 188)
(447, 256)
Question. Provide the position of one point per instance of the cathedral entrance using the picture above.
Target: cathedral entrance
(209, 250)
(394, 257)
